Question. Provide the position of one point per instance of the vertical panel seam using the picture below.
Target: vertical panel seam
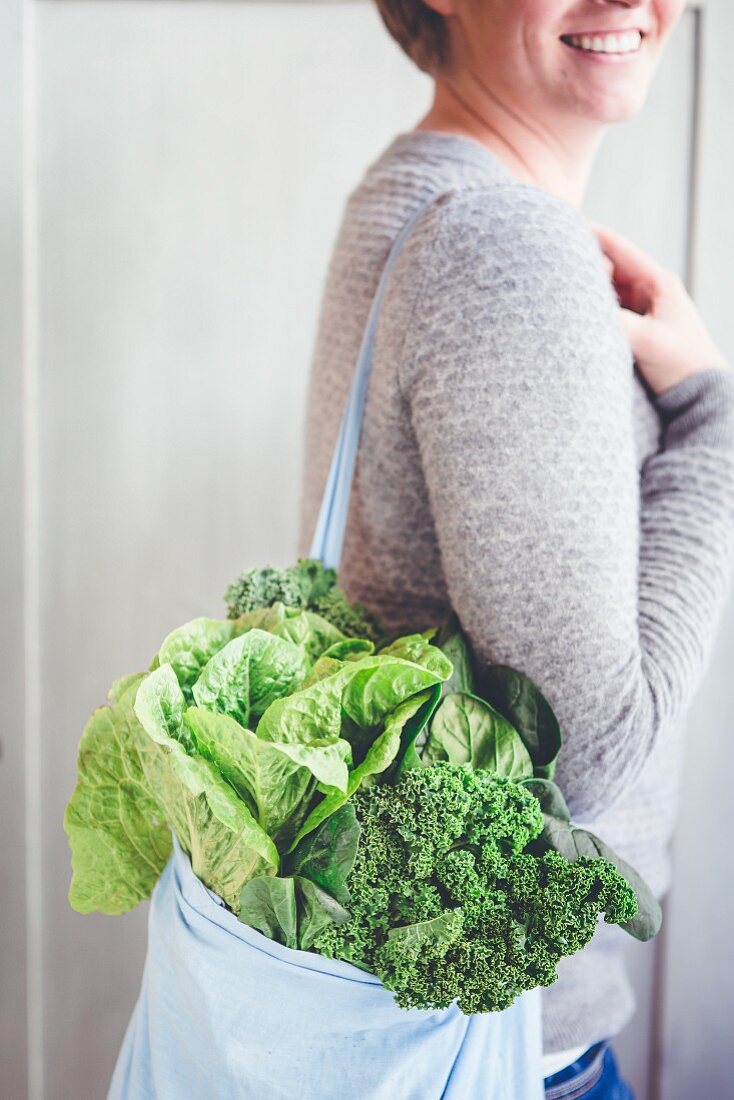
(694, 155)
(656, 1067)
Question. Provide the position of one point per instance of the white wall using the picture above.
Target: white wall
(179, 169)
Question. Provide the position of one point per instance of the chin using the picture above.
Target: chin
(618, 109)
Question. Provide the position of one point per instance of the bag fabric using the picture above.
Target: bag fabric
(226, 1013)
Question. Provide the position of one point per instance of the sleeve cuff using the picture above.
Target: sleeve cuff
(701, 407)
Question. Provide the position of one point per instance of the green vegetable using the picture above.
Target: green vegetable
(452, 643)
(400, 729)
(302, 628)
(326, 857)
(467, 730)
(307, 584)
(230, 682)
(573, 842)
(120, 842)
(521, 702)
(241, 748)
(297, 586)
(132, 789)
(294, 909)
(446, 904)
(384, 801)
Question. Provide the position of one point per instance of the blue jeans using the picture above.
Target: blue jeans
(593, 1076)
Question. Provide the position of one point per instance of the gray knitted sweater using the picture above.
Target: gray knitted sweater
(514, 466)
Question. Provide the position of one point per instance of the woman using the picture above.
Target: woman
(546, 449)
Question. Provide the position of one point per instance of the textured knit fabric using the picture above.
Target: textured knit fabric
(514, 466)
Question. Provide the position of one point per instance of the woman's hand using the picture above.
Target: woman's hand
(668, 338)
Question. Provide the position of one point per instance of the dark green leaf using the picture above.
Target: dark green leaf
(316, 910)
(290, 910)
(521, 702)
(451, 640)
(572, 842)
(269, 904)
(407, 756)
(549, 796)
(467, 730)
(326, 856)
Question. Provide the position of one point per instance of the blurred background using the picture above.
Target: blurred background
(172, 174)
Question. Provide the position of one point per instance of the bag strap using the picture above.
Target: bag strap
(332, 521)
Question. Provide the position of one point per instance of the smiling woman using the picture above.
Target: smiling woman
(502, 73)
(544, 408)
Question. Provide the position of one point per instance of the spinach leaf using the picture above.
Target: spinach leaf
(292, 910)
(327, 855)
(269, 904)
(521, 702)
(467, 730)
(452, 642)
(549, 796)
(416, 724)
(316, 910)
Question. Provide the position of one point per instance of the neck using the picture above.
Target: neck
(559, 161)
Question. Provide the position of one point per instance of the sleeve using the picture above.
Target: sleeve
(604, 585)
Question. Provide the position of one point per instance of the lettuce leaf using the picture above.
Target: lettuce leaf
(119, 838)
(249, 673)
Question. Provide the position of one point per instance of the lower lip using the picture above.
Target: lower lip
(603, 58)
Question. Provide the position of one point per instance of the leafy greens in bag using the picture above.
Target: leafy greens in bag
(242, 736)
(381, 800)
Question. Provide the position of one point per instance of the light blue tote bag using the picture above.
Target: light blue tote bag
(224, 1013)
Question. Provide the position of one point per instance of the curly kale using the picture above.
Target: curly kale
(310, 586)
(445, 902)
(296, 586)
(353, 620)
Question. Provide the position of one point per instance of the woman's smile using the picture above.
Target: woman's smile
(607, 49)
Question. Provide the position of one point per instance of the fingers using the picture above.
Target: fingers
(631, 263)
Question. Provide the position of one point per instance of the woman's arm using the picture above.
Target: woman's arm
(605, 588)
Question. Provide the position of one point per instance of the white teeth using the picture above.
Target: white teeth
(629, 42)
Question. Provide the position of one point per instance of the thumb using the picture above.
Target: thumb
(637, 330)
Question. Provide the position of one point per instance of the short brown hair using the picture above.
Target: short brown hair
(419, 31)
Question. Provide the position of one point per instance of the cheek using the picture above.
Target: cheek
(668, 13)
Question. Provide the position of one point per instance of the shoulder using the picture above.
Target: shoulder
(503, 225)
(506, 272)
